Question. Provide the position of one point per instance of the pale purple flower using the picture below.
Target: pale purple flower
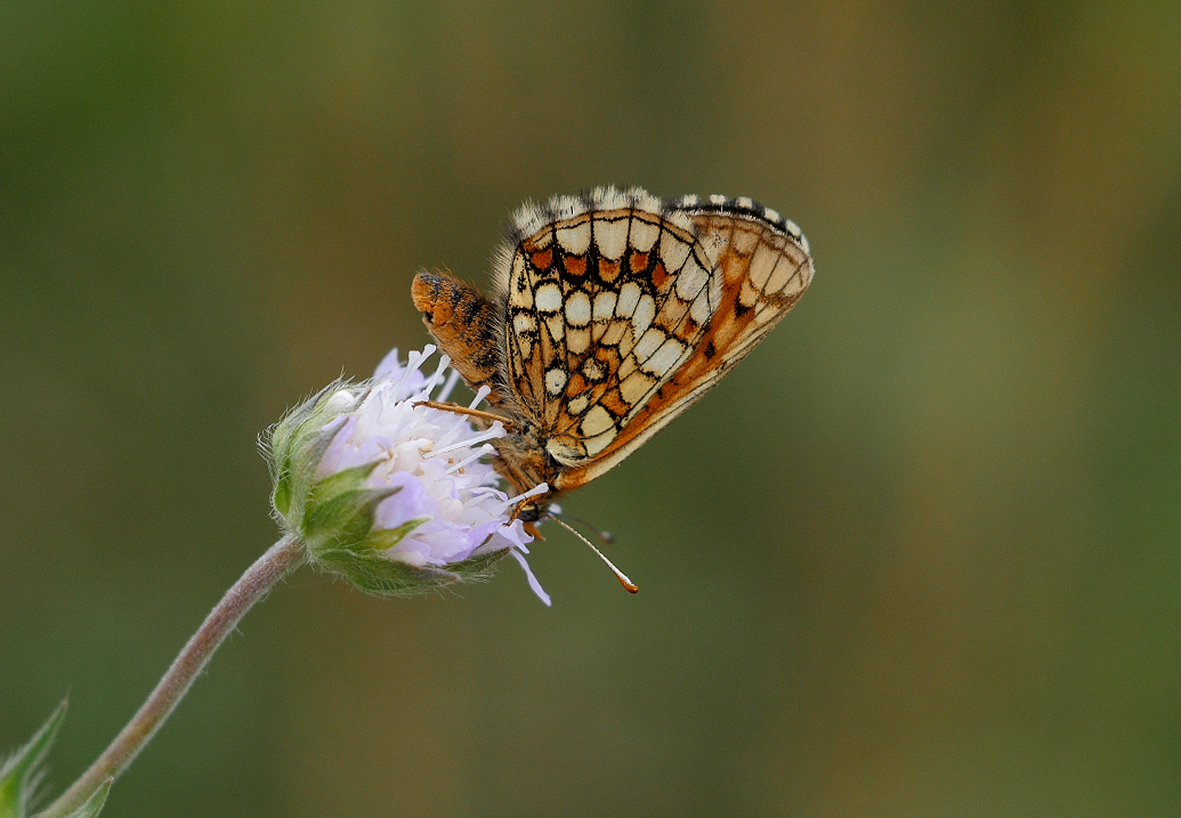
(440, 501)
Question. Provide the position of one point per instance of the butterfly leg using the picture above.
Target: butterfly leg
(490, 417)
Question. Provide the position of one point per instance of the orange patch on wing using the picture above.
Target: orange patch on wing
(608, 270)
(614, 403)
(576, 385)
(542, 259)
(638, 262)
(660, 275)
(575, 265)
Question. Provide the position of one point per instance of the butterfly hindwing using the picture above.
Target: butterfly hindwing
(602, 309)
(763, 270)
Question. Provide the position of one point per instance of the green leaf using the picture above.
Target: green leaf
(19, 775)
(94, 803)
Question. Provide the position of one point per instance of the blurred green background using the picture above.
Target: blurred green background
(918, 556)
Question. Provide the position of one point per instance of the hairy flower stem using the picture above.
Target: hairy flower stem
(280, 559)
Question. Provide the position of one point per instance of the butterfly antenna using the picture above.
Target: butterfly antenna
(605, 537)
(619, 575)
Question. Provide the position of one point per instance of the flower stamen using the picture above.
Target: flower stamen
(484, 451)
(449, 386)
(496, 431)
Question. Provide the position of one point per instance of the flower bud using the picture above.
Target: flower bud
(395, 497)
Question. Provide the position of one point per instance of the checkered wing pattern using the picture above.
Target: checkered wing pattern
(621, 310)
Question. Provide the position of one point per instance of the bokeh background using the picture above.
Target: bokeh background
(920, 555)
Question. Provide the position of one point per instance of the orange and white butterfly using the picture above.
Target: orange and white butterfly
(611, 313)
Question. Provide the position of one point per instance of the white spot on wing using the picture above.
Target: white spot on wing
(629, 297)
(798, 234)
(548, 297)
(649, 342)
(642, 317)
(578, 309)
(596, 421)
(691, 280)
(643, 234)
(665, 358)
(611, 237)
(673, 251)
(555, 380)
(575, 239)
(604, 305)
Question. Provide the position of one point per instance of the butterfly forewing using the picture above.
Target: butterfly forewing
(614, 312)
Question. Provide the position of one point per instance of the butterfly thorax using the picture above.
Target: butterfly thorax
(522, 459)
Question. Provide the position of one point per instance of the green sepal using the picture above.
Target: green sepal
(383, 576)
(342, 519)
(94, 803)
(340, 493)
(382, 538)
(19, 774)
(281, 496)
(294, 452)
(302, 468)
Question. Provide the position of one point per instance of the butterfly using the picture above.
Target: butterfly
(611, 313)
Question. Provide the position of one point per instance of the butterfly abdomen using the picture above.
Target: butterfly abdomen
(464, 323)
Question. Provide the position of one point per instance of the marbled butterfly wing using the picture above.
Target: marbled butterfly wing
(613, 312)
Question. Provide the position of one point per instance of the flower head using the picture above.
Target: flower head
(397, 497)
